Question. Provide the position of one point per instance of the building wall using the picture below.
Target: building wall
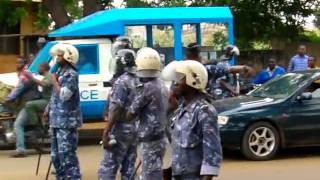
(7, 60)
(7, 63)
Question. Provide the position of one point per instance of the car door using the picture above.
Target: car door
(92, 80)
(303, 123)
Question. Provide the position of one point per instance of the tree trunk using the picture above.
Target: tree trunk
(91, 6)
(58, 12)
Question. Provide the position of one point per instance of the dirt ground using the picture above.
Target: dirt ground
(293, 164)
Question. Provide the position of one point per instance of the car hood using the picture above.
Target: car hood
(241, 103)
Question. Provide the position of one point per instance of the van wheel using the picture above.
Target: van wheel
(260, 142)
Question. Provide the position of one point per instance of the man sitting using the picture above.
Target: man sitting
(271, 72)
(26, 90)
(36, 107)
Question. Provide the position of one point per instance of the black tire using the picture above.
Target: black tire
(252, 152)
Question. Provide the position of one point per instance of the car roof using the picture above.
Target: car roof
(113, 22)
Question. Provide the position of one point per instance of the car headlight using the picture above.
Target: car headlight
(223, 120)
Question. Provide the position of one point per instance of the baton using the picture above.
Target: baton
(49, 168)
(38, 164)
(136, 170)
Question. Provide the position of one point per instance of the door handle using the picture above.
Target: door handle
(93, 84)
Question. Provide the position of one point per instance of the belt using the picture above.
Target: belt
(152, 138)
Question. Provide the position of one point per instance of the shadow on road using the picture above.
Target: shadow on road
(291, 153)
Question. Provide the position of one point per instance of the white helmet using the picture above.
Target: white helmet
(233, 50)
(69, 52)
(148, 63)
(194, 72)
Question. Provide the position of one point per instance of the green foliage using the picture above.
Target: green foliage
(311, 36)
(9, 14)
(73, 8)
(255, 21)
(163, 38)
(43, 19)
(317, 19)
(218, 40)
(137, 3)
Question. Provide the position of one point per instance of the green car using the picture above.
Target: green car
(282, 113)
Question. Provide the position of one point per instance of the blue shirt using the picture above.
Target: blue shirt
(298, 63)
(122, 94)
(267, 74)
(196, 146)
(151, 105)
(64, 106)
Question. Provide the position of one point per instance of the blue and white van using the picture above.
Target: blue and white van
(93, 36)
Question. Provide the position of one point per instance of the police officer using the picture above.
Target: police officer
(150, 107)
(196, 148)
(122, 151)
(121, 42)
(64, 113)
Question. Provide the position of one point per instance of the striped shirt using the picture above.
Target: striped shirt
(298, 63)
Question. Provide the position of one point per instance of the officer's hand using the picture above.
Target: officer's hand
(207, 177)
(106, 117)
(105, 141)
(45, 117)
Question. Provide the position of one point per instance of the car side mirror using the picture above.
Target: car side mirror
(107, 84)
(304, 96)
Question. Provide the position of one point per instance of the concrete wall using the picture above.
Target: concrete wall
(283, 53)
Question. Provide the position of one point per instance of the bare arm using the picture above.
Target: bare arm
(241, 68)
(41, 83)
(55, 83)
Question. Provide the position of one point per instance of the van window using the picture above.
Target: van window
(88, 59)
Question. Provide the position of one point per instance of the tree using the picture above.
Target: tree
(9, 14)
(317, 19)
(255, 20)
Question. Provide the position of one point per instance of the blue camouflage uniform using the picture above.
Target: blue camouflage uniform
(65, 117)
(123, 153)
(216, 73)
(196, 147)
(150, 105)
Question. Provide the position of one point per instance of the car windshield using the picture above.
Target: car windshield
(282, 86)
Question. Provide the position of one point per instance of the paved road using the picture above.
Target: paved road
(296, 164)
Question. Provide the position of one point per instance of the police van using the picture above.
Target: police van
(93, 37)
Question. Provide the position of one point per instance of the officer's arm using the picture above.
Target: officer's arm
(228, 87)
(139, 102)
(117, 101)
(238, 69)
(65, 90)
(212, 151)
(55, 83)
(113, 118)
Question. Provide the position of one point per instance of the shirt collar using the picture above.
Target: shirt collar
(190, 107)
(268, 69)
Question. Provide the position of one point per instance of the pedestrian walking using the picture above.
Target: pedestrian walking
(299, 62)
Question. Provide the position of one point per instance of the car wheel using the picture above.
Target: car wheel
(260, 142)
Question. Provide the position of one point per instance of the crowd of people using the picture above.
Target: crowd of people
(299, 62)
(142, 110)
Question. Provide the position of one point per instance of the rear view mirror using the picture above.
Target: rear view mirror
(304, 96)
(107, 84)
